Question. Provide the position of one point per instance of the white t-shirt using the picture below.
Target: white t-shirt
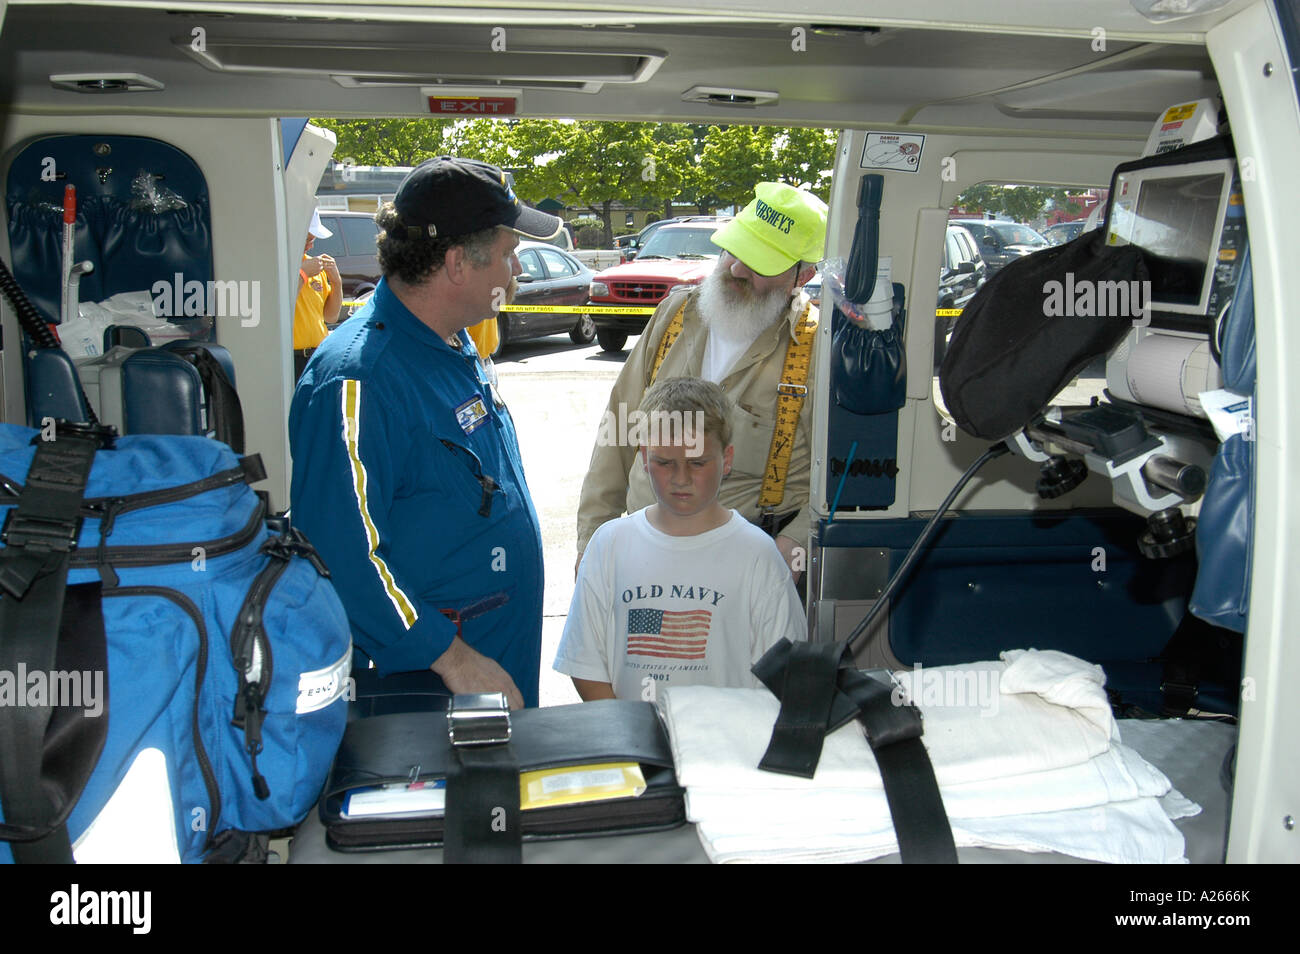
(721, 352)
(651, 610)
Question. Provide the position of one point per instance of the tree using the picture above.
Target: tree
(733, 158)
(387, 142)
(591, 166)
(1019, 203)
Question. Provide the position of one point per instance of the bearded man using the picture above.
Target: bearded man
(737, 328)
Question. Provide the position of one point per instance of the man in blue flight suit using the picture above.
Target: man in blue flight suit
(406, 469)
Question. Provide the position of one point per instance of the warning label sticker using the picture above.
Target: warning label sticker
(898, 151)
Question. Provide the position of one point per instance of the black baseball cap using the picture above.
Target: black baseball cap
(448, 197)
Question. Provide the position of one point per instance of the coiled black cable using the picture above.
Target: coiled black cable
(34, 324)
(28, 316)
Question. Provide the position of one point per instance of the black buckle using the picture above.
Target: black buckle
(40, 533)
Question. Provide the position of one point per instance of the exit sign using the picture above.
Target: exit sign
(473, 105)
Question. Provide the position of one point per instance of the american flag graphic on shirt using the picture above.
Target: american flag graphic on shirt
(668, 634)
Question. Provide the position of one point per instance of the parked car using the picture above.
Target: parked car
(633, 243)
(593, 258)
(677, 254)
(549, 277)
(962, 273)
(1001, 243)
(1063, 232)
(352, 246)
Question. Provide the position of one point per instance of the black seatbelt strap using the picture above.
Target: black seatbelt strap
(482, 813)
(816, 681)
(915, 804)
(806, 692)
(225, 413)
(40, 534)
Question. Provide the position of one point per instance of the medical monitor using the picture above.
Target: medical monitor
(1188, 219)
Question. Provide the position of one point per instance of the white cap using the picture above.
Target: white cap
(316, 228)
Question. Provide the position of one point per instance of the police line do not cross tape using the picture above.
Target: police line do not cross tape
(618, 309)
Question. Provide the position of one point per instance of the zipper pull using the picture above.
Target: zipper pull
(253, 716)
(301, 546)
(111, 509)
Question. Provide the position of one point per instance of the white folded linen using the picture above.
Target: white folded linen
(1025, 750)
(1130, 832)
(1063, 679)
(719, 735)
(1116, 775)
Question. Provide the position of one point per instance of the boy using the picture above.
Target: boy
(685, 591)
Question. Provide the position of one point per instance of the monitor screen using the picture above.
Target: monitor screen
(1176, 222)
(1175, 215)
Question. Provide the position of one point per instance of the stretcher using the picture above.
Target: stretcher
(1192, 753)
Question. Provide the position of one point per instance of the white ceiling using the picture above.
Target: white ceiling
(1092, 67)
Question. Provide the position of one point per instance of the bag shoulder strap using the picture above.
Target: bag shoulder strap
(40, 534)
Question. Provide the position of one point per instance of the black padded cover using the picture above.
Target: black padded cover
(1008, 357)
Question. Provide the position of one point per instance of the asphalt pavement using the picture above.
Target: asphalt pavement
(556, 392)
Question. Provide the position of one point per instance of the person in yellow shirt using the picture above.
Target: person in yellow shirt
(486, 336)
(320, 296)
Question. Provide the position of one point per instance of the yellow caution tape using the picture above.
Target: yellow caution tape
(583, 309)
(561, 309)
(947, 312)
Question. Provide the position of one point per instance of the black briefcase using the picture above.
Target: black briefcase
(414, 750)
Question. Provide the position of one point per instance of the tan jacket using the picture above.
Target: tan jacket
(617, 483)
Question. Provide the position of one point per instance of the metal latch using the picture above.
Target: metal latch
(478, 718)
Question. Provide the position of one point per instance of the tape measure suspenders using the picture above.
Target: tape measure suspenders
(791, 392)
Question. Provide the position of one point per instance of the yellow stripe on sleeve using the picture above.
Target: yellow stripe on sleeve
(352, 440)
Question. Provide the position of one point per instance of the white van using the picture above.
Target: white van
(934, 96)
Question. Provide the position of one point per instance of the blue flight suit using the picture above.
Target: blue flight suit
(407, 478)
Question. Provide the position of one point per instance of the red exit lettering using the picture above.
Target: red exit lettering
(476, 105)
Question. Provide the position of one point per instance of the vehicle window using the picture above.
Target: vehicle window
(968, 247)
(558, 265)
(954, 251)
(1007, 221)
(1018, 235)
(332, 246)
(531, 264)
(359, 234)
(678, 243)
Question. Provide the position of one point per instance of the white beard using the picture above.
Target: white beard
(733, 310)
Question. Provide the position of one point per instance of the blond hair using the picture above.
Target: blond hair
(691, 396)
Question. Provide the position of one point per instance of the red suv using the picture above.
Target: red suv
(680, 254)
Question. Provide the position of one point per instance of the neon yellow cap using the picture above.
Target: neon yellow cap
(783, 225)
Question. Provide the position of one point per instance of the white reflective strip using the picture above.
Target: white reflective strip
(320, 688)
(136, 826)
(351, 397)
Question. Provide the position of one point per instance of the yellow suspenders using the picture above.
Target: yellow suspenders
(791, 393)
(670, 335)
